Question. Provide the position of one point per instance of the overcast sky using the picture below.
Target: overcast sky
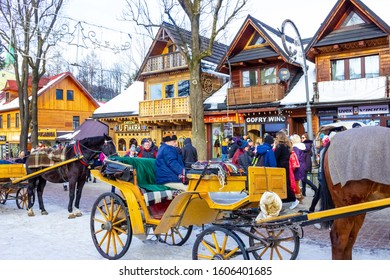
(306, 14)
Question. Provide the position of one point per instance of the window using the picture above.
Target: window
(256, 40)
(170, 91)
(352, 19)
(59, 94)
(69, 95)
(250, 78)
(355, 68)
(16, 120)
(155, 91)
(1, 121)
(8, 120)
(183, 88)
(268, 76)
(76, 122)
(7, 97)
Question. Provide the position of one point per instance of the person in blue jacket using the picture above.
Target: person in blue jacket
(169, 165)
(265, 156)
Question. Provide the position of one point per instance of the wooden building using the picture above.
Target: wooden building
(63, 104)
(351, 57)
(255, 60)
(166, 107)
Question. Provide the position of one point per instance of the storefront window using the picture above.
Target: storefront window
(217, 140)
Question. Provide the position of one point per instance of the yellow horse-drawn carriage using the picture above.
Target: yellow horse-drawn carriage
(212, 194)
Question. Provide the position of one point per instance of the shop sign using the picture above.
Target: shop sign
(363, 110)
(129, 126)
(3, 138)
(222, 119)
(266, 119)
(47, 134)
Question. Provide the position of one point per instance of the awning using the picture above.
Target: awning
(90, 128)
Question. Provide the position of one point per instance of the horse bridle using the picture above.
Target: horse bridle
(85, 161)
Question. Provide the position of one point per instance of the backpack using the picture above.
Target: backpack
(258, 160)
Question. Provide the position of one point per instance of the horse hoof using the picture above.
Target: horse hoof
(71, 216)
(79, 214)
(30, 213)
(44, 212)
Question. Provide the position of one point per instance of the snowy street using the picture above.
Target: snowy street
(55, 237)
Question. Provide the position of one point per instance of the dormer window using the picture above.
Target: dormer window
(352, 19)
(7, 97)
(256, 40)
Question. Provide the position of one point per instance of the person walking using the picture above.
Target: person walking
(308, 164)
(189, 153)
(282, 151)
(299, 172)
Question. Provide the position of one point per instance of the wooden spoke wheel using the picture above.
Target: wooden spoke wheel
(274, 244)
(3, 195)
(22, 198)
(218, 243)
(176, 236)
(110, 226)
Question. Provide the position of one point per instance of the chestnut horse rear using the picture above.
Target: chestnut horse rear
(349, 191)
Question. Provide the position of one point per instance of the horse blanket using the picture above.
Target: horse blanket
(360, 153)
(45, 157)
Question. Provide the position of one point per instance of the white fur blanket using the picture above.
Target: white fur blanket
(360, 153)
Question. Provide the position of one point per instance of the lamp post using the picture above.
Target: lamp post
(292, 54)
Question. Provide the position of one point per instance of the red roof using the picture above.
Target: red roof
(12, 85)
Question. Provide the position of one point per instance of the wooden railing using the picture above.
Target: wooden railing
(165, 62)
(255, 94)
(169, 107)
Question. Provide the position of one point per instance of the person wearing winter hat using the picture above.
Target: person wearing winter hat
(240, 150)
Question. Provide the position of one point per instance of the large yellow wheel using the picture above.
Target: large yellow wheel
(110, 226)
(274, 244)
(218, 243)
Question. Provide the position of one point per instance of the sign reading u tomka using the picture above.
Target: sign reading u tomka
(129, 126)
(265, 119)
(363, 110)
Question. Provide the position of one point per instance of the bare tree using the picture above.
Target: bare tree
(204, 18)
(27, 26)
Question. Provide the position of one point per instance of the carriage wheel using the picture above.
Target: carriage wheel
(110, 226)
(218, 243)
(275, 244)
(22, 198)
(176, 236)
(3, 196)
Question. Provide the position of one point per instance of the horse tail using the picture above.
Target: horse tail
(325, 197)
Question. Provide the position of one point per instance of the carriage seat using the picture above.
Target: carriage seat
(145, 179)
(227, 198)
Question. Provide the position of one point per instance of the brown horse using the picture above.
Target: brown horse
(74, 172)
(355, 168)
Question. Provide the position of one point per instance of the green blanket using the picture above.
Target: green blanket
(146, 177)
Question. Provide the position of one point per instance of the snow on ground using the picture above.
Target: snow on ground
(55, 237)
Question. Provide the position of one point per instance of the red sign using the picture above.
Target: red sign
(223, 118)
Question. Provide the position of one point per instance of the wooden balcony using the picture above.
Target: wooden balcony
(165, 62)
(255, 94)
(167, 109)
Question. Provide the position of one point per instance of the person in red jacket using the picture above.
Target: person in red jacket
(146, 150)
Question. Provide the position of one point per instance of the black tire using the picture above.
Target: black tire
(3, 195)
(22, 198)
(275, 244)
(176, 236)
(218, 243)
(110, 226)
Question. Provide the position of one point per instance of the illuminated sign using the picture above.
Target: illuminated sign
(222, 119)
(47, 134)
